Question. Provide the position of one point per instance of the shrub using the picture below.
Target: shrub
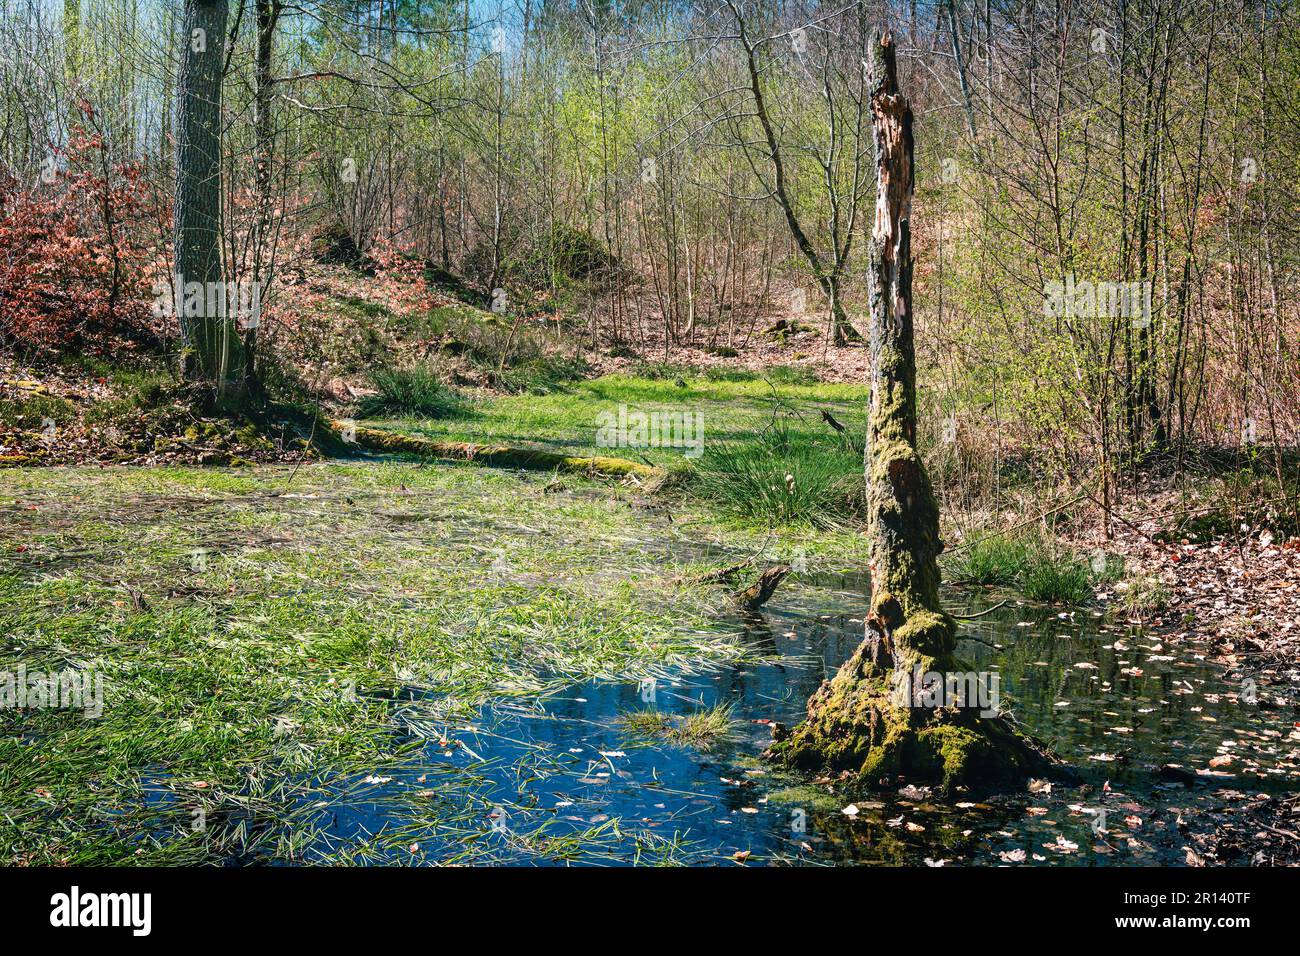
(74, 252)
(416, 391)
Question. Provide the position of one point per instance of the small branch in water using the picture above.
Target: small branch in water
(971, 617)
(758, 593)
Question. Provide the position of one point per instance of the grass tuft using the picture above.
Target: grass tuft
(1038, 567)
(416, 391)
(701, 729)
(783, 478)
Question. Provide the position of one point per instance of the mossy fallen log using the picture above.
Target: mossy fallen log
(495, 456)
(21, 459)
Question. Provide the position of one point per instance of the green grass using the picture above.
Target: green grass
(417, 391)
(754, 434)
(1056, 576)
(705, 727)
(783, 479)
(1037, 566)
(992, 559)
(701, 729)
(731, 410)
(31, 412)
(265, 652)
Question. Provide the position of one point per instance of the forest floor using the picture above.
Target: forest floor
(281, 640)
(268, 635)
(299, 665)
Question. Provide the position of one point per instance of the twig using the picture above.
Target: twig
(971, 617)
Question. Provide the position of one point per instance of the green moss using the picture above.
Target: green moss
(29, 412)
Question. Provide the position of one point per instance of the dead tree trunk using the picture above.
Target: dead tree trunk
(888, 711)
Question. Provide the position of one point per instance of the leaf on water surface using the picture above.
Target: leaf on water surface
(740, 856)
(1040, 786)
(850, 811)
(1013, 856)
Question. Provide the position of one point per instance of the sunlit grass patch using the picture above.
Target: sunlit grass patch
(780, 480)
(1038, 566)
(991, 559)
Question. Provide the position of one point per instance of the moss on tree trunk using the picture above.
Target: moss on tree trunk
(874, 718)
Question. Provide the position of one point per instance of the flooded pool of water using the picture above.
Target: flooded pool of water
(563, 780)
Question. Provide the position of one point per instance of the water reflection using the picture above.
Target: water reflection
(563, 779)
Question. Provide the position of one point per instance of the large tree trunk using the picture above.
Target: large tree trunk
(859, 721)
(213, 350)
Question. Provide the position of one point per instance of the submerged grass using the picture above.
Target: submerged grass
(269, 642)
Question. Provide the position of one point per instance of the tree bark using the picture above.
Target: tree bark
(213, 349)
(268, 15)
(859, 721)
